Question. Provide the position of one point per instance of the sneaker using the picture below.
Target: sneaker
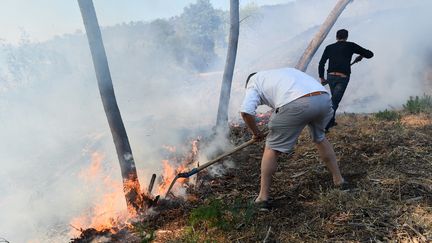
(327, 129)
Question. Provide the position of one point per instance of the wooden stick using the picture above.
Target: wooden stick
(198, 169)
(152, 181)
(422, 237)
(240, 147)
(3, 240)
(267, 235)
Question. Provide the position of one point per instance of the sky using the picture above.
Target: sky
(43, 19)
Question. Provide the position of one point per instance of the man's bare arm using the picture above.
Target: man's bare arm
(251, 124)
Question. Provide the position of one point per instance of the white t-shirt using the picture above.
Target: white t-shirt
(277, 87)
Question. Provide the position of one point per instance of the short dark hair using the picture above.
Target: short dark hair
(250, 76)
(342, 34)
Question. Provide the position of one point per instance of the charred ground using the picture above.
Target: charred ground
(386, 159)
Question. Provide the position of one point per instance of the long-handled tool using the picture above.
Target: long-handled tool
(357, 59)
(200, 168)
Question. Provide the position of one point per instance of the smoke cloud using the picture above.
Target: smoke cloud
(52, 120)
(393, 30)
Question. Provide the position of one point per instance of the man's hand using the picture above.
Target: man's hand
(258, 136)
(323, 81)
(357, 59)
(249, 119)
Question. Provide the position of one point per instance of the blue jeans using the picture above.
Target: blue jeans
(338, 86)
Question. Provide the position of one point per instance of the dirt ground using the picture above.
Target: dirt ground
(388, 165)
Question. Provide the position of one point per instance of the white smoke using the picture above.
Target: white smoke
(52, 119)
(394, 30)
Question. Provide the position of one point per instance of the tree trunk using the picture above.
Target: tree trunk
(131, 186)
(321, 35)
(222, 115)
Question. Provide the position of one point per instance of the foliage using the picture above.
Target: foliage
(209, 216)
(216, 215)
(144, 232)
(388, 115)
(181, 43)
(249, 15)
(200, 26)
(419, 104)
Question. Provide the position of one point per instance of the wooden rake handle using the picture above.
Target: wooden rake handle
(211, 162)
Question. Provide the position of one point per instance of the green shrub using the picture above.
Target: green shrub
(387, 115)
(144, 231)
(217, 215)
(208, 215)
(419, 104)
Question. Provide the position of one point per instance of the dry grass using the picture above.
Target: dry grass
(387, 163)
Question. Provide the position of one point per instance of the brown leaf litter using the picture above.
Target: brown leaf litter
(387, 163)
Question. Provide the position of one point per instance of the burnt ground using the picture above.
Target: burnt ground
(388, 165)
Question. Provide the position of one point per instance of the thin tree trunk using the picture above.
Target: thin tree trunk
(321, 35)
(222, 115)
(131, 186)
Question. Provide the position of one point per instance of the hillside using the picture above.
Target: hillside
(387, 160)
(167, 75)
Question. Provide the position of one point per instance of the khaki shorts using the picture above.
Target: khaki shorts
(287, 122)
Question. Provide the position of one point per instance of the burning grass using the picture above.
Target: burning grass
(388, 164)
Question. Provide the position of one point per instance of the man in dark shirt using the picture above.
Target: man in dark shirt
(339, 55)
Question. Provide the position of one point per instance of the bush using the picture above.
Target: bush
(419, 104)
(387, 115)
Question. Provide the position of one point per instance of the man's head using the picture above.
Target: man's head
(248, 78)
(342, 34)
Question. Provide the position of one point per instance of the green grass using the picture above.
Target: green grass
(144, 231)
(418, 104)
(206, 222)
(217, 216)
(388, 115)
(209, 216)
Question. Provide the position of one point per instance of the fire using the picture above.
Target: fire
(260, 119)
(171, 149)
(169, 172)
(171, 167)
(110, 212)
(263, 118)
(105, 214)
(94, 169)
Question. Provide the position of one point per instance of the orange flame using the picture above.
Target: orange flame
(263, 118)
(104, 215)
(169, 172)
(171, 168)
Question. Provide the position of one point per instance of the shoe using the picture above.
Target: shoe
(262, 206)
(327, 129)
(344, 186)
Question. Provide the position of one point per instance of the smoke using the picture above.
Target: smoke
(397, 37)
(52, 119)
(394, 30)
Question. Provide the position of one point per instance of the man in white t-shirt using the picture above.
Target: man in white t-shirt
(298, 100)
